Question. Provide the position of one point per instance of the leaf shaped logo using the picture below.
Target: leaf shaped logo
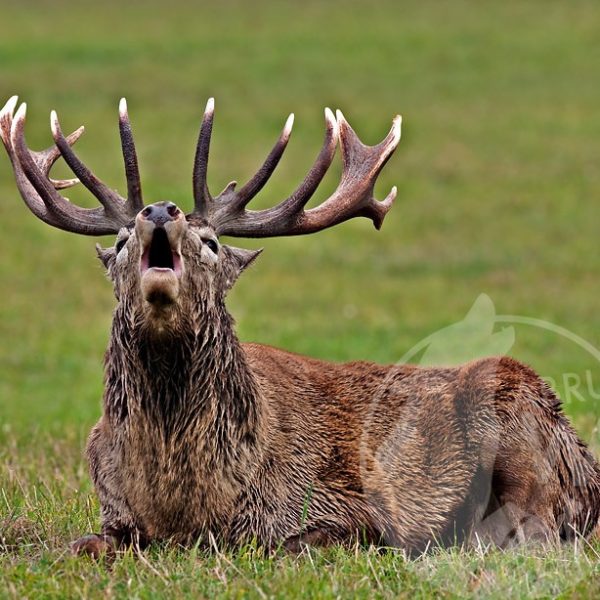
(471, 338)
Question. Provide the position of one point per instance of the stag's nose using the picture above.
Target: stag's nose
(161, 221)
(160, 213)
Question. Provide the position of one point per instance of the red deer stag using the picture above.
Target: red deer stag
(202, 435)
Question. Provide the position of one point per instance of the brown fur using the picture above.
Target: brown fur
(202, 435)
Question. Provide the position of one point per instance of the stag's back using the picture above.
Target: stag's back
(421, 448)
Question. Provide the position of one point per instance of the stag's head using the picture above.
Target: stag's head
(166, 261)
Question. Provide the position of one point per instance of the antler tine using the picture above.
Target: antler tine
(352, 198)
(135, 202)
(261, 177)
(30, 196)
(111, 201)
(6, 119)
(62, 213)
(307, 188)
(38, 190)
(45, 159)
(231, 218)
(202, 197)
(361, 167)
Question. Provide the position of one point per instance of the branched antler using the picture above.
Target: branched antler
(39, 191)
(227, 212)
(353, 197)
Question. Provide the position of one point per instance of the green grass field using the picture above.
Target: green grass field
(498, 179)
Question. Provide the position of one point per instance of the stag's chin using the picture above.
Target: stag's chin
(160, 286)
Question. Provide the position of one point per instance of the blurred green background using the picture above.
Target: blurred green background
(497, 171)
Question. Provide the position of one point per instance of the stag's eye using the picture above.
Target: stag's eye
(212, 245)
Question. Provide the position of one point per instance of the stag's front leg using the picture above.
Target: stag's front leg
(319, 537)
(118, 530)
(112, 538)
(95, 546)
(323, 534)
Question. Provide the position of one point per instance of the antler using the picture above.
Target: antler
(39, 191)
(227, 212)
(353, 197)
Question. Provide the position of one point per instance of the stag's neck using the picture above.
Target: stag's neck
(180, 377)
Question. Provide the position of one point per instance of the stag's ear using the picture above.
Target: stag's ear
(106, 255)
(237, 260)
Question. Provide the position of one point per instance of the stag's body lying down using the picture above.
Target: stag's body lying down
(202, 435)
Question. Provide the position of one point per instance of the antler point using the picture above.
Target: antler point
(54, 124)
(288, 125)
(389, 200)
(9, 107)
(18, 121)
(397, 127)
(62, 184)
(331, 121)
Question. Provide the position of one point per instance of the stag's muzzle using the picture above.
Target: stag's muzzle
(160, 228)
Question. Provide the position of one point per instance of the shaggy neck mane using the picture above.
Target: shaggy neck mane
(193, 371)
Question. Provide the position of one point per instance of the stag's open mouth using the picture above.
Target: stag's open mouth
(160, 268)
(159, 255)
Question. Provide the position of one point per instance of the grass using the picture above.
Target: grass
(498, 185)
(48, 500)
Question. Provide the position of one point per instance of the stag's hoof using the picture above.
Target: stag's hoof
(94, 546)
